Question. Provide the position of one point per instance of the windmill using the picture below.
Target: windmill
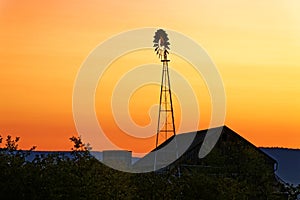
(166, 125)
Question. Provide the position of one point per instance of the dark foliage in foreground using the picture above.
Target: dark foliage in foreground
(83, 177)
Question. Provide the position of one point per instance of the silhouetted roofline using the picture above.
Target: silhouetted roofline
(249, 143)
(200, 135)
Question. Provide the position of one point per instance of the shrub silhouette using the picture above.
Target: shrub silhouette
(81, 176)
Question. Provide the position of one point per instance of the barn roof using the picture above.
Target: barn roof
(195, 145)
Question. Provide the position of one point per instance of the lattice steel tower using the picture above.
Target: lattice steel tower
(166, 124)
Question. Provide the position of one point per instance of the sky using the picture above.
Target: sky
(254, 44)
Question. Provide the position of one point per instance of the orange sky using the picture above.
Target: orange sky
(254, 44)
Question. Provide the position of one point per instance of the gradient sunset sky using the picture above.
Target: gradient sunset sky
(254, 44)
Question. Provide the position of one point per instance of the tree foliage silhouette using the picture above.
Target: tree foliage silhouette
(78, 175)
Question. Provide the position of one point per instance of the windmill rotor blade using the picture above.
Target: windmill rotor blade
(161, 40)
